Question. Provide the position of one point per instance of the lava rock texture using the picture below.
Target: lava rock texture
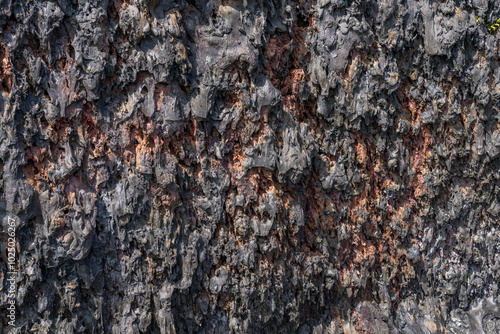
(251, 166)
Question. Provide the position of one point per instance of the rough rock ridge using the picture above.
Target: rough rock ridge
(251, 166)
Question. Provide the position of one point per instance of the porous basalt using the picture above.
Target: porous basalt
(253, 166)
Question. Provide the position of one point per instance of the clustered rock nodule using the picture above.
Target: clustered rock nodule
(251, 166)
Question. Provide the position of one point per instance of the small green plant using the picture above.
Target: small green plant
(491, 26)
(494, 26)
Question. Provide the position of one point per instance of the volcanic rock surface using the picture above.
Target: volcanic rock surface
(251, 166)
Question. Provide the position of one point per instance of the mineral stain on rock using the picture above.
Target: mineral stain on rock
(253, 166)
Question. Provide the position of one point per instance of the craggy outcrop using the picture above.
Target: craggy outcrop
(251, 166)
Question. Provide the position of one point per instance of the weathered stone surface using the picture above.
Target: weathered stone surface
(251, 166)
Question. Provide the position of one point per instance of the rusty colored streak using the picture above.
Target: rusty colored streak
(420, 148)
(33, 174)
(5, 70)
(358, 249)
(74, 185)
(144, 141)
(36, 154)
(36, 172)
(278, 55)
(237, 156)
(159, 94)
(421, 153)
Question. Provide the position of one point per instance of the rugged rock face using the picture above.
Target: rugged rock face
(251, 166)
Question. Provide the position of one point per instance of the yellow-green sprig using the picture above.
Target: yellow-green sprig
(494, 26)
(491, 27)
